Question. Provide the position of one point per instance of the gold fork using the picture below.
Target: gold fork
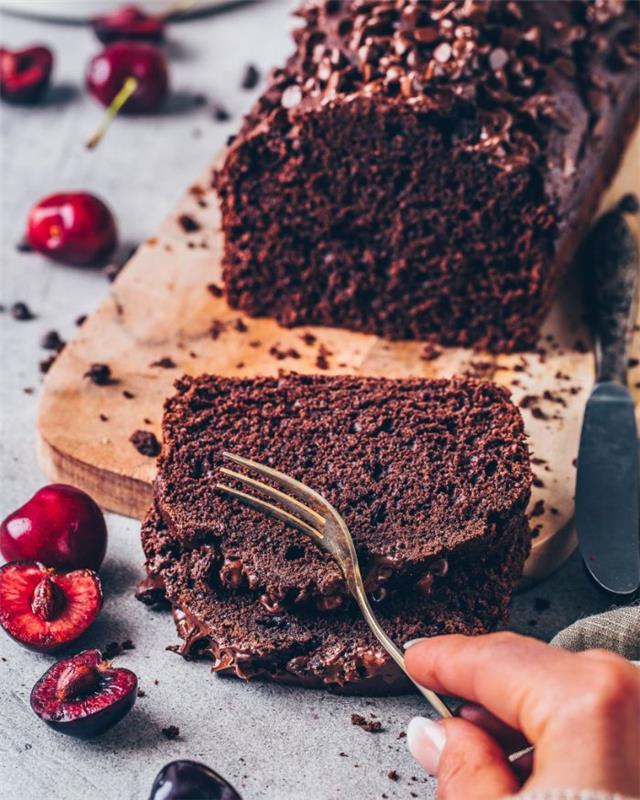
(328, 530)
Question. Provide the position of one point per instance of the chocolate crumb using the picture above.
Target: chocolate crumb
(129, 395)
(240, 325)
(145, 443)
(188, 223)
(538, 509)
(538, 413)
(629, 204)
(81, 320)
(20, 311)
(114, 649)
(217, 327)
(142, 693)
(430, 352)
(215, 290)
(368, 725)
(104, 418)
(393, 775)
(308, 338)
(100, 374)
(23, 246)
(46, 365)
(171, 732)
(219, 112)
(28, 390)
(537, 482)
(52, 341)
(402, 735)
(251, 77)
(165, 362)
(111, 271)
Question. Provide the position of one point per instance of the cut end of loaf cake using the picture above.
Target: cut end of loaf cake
(426, 169)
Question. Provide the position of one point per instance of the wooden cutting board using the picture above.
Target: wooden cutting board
(160, 307)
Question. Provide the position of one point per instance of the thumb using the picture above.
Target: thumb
(466, 760)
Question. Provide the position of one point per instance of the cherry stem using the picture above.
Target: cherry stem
(177, 8)
(128, 88)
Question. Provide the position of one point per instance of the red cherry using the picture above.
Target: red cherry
(128, 22)
(73, 228)
(25, 74)
(44, 609)
(60, 526)
(110, 69)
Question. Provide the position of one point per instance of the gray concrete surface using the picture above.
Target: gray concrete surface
(271, 742)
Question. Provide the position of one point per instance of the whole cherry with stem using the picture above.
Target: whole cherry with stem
(127, 77)
(134, 24)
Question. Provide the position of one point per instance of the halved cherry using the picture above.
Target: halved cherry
(25, 74)
(129, 22)
(84, 695)
(44, 609)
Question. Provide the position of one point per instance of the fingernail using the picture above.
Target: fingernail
(411, 642)
(426, 740)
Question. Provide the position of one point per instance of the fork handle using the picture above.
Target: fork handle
(434, 700)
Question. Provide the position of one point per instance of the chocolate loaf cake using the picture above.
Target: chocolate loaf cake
(335, 651)
(429, 476)
(426, 168)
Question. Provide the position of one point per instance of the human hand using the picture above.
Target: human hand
(580, 711)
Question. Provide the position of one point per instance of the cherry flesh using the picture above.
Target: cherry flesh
(110, 69)
(72, 228)
(25, 74)
(131, 23)
(60, 526)
(84, 696)
(44, 609)
(190, 780)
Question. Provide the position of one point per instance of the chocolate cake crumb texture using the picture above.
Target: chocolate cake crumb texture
(368, 725)
(428, 169)
(145, 443)
(432, 478)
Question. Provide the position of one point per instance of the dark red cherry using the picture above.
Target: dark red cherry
(44, 609)
(109, 71)
(25, 74)
(72, 228)
(60, 526)
(129, 22)
(190, 780)
(84, 695)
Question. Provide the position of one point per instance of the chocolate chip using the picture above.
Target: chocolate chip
(21, 312)
(215, 290)
(145, 443)
(100, 374)
(251, 77)
(188, 223)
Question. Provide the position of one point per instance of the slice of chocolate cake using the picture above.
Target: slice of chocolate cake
(430, 476)
(427, 168)
(335, 651)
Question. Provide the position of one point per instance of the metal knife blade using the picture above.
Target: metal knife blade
(608, 476)
(608, 490)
